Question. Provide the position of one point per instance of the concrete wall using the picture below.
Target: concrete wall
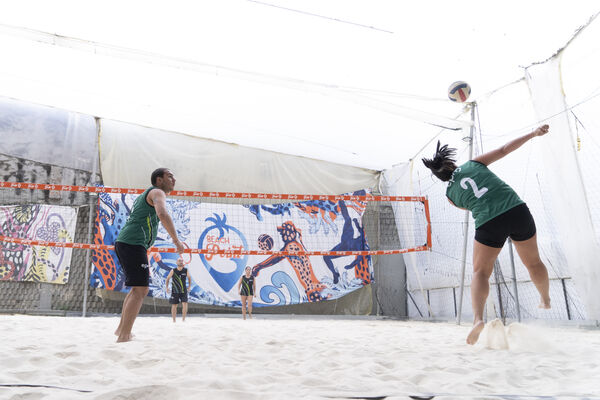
(389, 288)
(390, 297)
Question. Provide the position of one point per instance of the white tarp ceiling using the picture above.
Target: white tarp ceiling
(360, 83)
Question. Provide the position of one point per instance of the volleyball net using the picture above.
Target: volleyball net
(300, 247)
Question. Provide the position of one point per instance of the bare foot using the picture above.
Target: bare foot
(475, 331)
(545, 304)
(125, 338)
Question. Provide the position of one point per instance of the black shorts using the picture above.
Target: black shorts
(177, 298)
(517, 223)
(134, 261)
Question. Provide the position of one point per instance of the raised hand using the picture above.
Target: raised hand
(542, 130)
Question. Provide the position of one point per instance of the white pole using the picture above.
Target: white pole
(88, 264)
(466, 224)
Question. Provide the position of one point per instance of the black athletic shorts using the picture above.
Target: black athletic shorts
(134, 261)
(517, 223)
(177, 298)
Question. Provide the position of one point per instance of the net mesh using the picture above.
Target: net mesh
(328, 241)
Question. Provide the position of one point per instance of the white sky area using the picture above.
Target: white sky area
(352, 82)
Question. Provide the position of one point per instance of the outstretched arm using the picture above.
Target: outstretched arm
(168, 279)
(495, 155)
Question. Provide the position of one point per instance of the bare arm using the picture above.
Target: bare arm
(168, 279)
(189, 282)
(159, 201)
(495, 155)
(254, 288)
(239, 285)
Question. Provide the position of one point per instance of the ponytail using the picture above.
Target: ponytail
(442, 164)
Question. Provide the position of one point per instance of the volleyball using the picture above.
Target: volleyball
(265, 242)
(459, 91)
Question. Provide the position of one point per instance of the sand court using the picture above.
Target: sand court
(291, 357)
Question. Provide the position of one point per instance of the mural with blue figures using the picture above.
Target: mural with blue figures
(280, 280)
(283, 289)
(112, 213)
(220, 233)
(314, 224)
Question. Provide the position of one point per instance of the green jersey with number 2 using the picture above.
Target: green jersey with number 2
(474, 187)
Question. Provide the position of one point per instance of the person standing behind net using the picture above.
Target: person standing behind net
(498, 213)
(247, 290)
(136, 237)
(179, 290)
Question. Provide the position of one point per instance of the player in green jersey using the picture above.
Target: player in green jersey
(247, 290)
(499, 213)
(136, 237)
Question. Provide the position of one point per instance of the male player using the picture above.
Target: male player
(180, 289)
(136, 237)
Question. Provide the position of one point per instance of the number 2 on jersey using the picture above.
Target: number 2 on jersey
(476, 191)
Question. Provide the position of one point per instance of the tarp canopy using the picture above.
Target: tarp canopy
(357, 83)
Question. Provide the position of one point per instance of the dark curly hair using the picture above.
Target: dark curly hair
(442, 164)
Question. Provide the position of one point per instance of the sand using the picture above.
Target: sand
(291, 357)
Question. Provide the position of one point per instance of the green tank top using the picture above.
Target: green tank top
(474, 187)
(142, 224)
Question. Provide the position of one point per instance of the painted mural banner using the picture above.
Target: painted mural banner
(281, 279)
(21, 262)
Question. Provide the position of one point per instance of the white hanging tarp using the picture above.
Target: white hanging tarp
(562, 178)
(129, 154)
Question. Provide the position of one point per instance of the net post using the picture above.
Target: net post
(497, 276)
(466, 224)
(88, 264)
(514, 278)
(428, 304)
(454, 298)
(564, 287)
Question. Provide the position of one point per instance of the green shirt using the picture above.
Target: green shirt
(142, 225)
(474, 187)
